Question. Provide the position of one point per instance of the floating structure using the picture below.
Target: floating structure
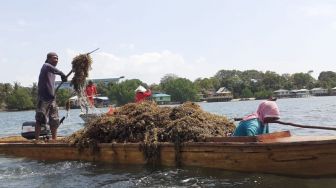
(99, 102)
(333, 91)
(161, 98)
(319, 91)
(283, 93)
(221, 95)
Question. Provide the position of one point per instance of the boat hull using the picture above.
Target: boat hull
(88, 117)
(286, 157)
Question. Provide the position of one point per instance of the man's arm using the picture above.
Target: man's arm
(56, 71)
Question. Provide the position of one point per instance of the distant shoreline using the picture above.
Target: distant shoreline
(6, 110)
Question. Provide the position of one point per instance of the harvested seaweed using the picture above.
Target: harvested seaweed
(149, 124)
(81, 65)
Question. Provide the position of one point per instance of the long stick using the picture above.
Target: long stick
(295, 125)
(72, 71)
(92, 51)
(304, 126)
(62, 81)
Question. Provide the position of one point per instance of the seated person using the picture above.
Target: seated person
(257, 123)
(142, 94)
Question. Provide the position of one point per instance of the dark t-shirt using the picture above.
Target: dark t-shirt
(46, 83)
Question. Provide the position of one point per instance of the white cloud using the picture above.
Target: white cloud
(3, 60)
(149, 67)
(201, 60)
(333, 25)
(25, 43)
(319, 10)
(22, 23)
(127, 46)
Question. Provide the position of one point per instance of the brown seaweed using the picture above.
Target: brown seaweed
(149, 124)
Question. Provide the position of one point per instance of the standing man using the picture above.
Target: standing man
(46, 106)
(91, 91)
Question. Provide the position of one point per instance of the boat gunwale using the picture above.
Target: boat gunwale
(186, 144)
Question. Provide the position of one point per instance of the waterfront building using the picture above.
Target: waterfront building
(221, 95)
(333, 91)
(300, 93)
(161, 98)
(67, 85)
(319, 92)
(282, 93)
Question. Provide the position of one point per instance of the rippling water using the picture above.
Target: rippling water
(20, 172)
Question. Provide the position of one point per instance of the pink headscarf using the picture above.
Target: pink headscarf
(265, 109)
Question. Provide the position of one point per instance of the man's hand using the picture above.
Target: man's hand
(64, 78)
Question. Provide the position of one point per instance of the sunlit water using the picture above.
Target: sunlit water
(20, 172)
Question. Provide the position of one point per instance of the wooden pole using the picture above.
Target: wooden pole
(62, 81)
(296, 125)
(304, 126)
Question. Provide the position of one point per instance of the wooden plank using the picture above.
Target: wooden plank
(232, 139)
(259, 138)
(272, 136)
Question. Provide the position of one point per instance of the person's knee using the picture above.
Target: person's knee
(54, 123)
(40, 118)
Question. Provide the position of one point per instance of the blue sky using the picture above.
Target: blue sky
(147, 39)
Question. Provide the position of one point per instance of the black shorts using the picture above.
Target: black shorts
(47, 110)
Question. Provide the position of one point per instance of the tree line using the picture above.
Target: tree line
(242, 84)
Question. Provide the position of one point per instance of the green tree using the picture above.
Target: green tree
(252, 80)
(123, 92)
(263, 94)
(303, 80)
(232, 80)
(272, 80)
(155, 88)
(20, 99)
(5, 90)
(226, 74)
(33, 93)
(103, 89)
(167, 78)
(180, 89)
(206, 84)
(327, 79)
(62, 96)
(286, 81)
(247, 93)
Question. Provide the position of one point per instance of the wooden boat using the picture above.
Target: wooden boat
(88, 117)
(276, 153)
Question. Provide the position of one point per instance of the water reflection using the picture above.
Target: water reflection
(21, 172)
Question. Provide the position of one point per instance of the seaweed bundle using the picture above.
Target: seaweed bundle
(149, 124)
(81, 65)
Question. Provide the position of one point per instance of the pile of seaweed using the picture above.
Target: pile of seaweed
(149, 124)
(81, 65)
